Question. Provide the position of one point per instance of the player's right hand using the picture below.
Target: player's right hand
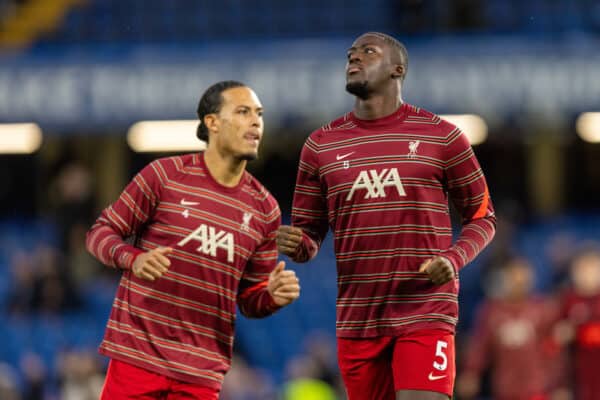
(288, 239)
(152, 264)
(283, 285)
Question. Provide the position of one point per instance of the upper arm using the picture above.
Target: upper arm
(138, 201)
(309, 208)
(464, 178)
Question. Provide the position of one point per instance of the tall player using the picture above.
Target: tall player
(204, 239)
(380, 177)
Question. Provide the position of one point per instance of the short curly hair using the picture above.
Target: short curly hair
(395, 43)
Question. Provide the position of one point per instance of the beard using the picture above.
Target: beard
(358, 89)
(248, 157)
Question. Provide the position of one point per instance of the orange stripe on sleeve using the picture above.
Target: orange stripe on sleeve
(482, 210)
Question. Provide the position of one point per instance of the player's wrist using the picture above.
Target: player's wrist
(272, 302)
(451, 264)
(305, 250)
(451, 261)
(126, 256)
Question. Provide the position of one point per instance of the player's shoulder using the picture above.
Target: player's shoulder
(262, 199)
(175, 163)
(171, 168)
(341, 123)
(434, 123)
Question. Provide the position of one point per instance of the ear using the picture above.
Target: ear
(212, 122)
(399, 71)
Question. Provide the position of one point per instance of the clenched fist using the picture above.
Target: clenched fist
(288, 239)
(439, 269)
(283, 285)
(152, 264)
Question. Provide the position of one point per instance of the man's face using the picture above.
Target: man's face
(368, 65)
(585, 273)
(240, 123)
(518, 279)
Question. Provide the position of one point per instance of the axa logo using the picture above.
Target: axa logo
(211, 240)
(374, 183)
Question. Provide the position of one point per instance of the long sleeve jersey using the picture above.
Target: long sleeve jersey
(181, 325)
(512, 338)
(383, 186)
(582, 313)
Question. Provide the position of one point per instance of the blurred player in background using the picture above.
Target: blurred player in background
(380, 178)
(579, 329)
(204, 239)
(511, 336)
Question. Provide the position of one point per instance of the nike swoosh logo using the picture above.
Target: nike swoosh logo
(188, 203)
(338, 157)
(433, 377)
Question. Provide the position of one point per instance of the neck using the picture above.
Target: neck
(224, 168)
(378, 105)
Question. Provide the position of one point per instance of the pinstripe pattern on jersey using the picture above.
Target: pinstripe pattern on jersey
(380, 161)
(383, 234)
(392, 298)
(185, 326)
(163, 366)
(181, 325)
(392, 229)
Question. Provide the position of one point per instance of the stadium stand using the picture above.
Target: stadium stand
(53, 308)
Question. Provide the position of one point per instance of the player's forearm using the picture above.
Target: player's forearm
(310, 215)
(474, 237)
(104, 243)
(257, 302)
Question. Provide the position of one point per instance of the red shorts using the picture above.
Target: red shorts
(375, 368)
(126, 381)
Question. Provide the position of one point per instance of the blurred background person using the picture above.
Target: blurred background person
(509, 337)
(80, 375)
(9, 389)
(243, 382)
(579, 329)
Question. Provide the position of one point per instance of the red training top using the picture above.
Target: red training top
(181, 325)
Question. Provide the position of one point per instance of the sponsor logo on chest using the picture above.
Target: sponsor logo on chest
(211, 240)
(374, 183)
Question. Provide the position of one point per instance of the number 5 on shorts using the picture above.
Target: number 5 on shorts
(440, 352)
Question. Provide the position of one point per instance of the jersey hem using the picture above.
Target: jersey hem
(210, 384)
(398, 330)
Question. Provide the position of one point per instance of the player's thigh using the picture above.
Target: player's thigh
(125, 381)
(424, 362)
(187, 391)
(420, 395)
(365, 366)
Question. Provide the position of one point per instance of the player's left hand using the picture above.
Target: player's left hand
(284, 285)
(439, 269)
